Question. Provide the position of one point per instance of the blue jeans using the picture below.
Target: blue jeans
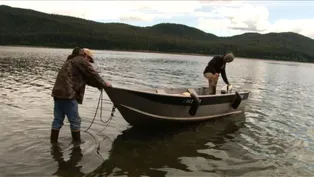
(69, 108)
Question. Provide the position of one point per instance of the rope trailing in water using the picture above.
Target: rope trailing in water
(100, 100)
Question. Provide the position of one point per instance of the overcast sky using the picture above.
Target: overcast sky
(222, 18)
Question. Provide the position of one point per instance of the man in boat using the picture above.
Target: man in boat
(216, 66)
(69, 88)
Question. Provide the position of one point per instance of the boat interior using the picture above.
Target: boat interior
(185, 92)
(200, 91)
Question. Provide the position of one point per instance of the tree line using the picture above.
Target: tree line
(32, 28)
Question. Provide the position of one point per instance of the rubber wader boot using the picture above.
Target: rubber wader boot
(76, 136)
(213, 90)
(54, 136)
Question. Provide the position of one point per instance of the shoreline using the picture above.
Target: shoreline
(147, 51)
(122, 50)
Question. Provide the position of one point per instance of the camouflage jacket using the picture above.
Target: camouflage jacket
(73, 77)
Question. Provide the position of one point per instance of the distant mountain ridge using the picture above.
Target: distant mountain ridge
(32, 28)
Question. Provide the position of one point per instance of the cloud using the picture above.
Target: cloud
(170, 7)
(104, 9)
(250, 18)
(245, 17)
(151, 10)
(219, 3)
(216, 24)
(301, 26)
(136, 17)
(116, 9)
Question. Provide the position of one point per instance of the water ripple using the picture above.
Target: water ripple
(274, 137)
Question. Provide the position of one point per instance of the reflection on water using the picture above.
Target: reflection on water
(139, 152)
(274, 137)
(67, 167)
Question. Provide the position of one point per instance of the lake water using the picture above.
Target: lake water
(274, 137)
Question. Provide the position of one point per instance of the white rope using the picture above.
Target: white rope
(100, 100)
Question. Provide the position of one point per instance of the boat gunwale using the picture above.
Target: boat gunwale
(177, 95)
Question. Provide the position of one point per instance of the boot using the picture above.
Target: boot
(54, 136)
(76, 136)
(213, 90)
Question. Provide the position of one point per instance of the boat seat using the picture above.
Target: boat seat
(161, 91)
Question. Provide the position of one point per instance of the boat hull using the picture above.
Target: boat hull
(146, 107)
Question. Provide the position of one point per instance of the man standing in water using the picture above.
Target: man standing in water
(216, 66)
(69, 89)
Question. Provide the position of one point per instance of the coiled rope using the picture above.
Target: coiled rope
(100, 101)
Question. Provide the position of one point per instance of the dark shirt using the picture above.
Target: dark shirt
(217, 65)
